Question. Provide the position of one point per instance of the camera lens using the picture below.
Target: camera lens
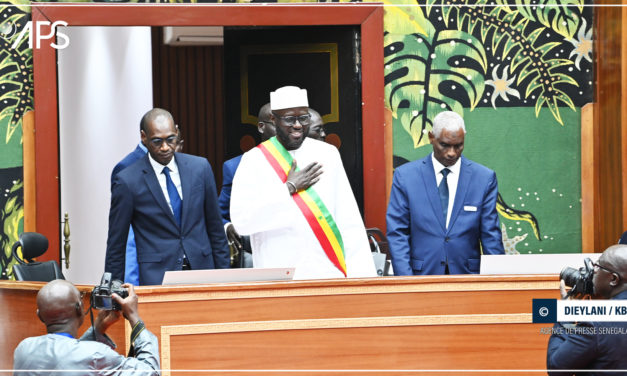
(570, 276)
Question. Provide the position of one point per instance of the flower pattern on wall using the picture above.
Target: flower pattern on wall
(501, 85)
(583, 45)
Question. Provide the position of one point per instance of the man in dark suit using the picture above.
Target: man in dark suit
(171, 201)
(594, 345)
(267, 130)
(131, 269)
(442, 211)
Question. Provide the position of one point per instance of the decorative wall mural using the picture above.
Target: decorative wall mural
(16, 98)
(16, 69)
(417, 65)
(436, 57)
(11, 216)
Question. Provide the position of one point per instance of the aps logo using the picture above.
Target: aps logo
(37, 31)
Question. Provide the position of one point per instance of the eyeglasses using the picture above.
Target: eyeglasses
(597, 265)
(157, 142)
(291, 120)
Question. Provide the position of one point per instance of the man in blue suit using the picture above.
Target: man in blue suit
(267, 130)
(442, 211)
(171, 201)
(131, 269)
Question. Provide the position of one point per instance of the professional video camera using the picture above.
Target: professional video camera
(579, 279)
(101, 295)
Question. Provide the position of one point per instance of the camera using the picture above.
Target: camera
(101, 295)
(579, 279)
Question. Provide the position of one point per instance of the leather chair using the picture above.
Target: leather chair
(380, 250)
(33, 245)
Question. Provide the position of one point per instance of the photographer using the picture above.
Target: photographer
(60, 308)
(594, 345)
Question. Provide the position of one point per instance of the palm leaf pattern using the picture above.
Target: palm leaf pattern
(514, 31)
(16, 69)
(416, 64)
(11, 217)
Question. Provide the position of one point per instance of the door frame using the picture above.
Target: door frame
(369, 16)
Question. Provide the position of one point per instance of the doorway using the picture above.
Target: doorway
(322, 59)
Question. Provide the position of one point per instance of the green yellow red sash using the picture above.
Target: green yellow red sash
(316, 213)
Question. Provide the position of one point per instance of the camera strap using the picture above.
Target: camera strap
(93, 328)
(137, 329)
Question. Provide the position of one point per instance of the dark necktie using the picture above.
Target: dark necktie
(443, 191)
(175, 199)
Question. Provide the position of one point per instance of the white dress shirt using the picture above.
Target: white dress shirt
(174, 174)
(451, 179)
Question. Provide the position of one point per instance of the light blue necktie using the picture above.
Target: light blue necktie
(175, 199)
(443, 191)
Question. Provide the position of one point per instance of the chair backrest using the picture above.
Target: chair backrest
(378, 240)
(34, 245)
(380, 250)
(38, 271)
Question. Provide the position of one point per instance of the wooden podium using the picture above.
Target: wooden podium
(326, 327)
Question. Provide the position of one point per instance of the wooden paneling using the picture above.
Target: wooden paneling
(46, 145)
(374, 135)
(607, 128)
(188, 82)
(30, 182)
(623, 101)
(391, 323)
(407, 347)
(589, 184)
(397, 323)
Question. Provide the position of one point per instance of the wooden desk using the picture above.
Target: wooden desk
(392, 323)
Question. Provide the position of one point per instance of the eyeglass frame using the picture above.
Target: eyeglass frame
(158, 142)
(597, 265)
(296, 118)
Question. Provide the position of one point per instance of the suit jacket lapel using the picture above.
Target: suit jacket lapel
(465, 175)
(431, 187)
(185, 174)
(155, 189)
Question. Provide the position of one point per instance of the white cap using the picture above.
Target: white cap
(288, 97)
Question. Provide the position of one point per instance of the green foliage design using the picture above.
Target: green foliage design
(420, 57)
(11, 219)
(417, 63)
(554, 14)
(538, 73)
(16, 68)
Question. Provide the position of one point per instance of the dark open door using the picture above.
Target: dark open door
(322, 59)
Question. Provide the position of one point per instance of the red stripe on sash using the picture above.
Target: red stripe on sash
(318, 232)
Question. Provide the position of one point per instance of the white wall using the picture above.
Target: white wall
(105, 86)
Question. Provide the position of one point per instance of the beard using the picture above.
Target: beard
(289, 142)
